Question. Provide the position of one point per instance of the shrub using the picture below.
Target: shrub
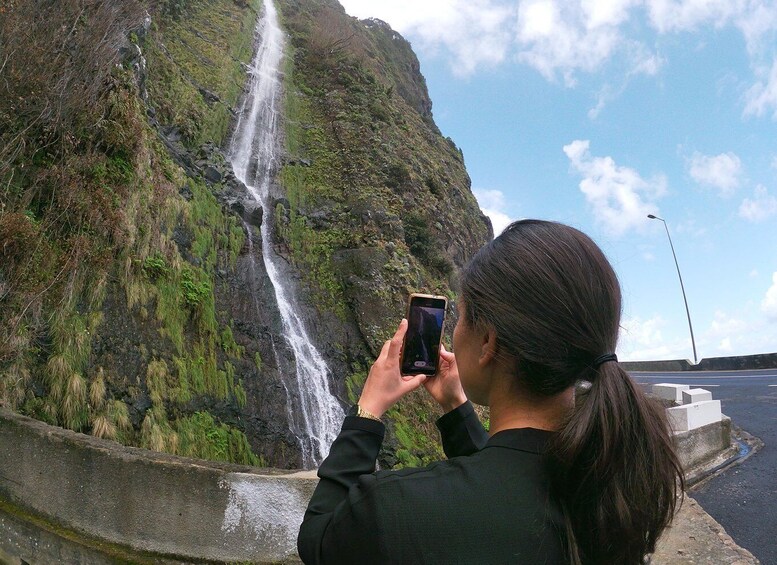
(195, 289)
(155, 267)
(417, 235)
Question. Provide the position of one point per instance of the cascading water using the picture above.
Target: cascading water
(314, 414)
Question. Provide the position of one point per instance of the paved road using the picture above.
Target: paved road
(744, 498)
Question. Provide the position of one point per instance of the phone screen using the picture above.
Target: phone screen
(421, 350)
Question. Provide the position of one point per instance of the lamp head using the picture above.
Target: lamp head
(652, 217)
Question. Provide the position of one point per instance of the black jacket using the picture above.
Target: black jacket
(488, 503)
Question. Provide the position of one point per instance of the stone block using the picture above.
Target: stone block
(691, 416)
(670, 391)
(696, 395)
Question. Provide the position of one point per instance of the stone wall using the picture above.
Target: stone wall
(70, 498)
(742, 362)
(87, 497)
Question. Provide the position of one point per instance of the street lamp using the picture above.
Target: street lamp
(688, 313)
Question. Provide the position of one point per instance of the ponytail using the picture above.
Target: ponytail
(614, 471)
(555, 304)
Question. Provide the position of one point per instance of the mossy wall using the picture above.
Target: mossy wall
(130, 307)
(110, 327)
(379, 201)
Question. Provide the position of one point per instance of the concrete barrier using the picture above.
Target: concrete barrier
(742, 362)
(696, 395)
(697, 447)
(70, 498)
(669, 391)
(696, 415)
(147, 507)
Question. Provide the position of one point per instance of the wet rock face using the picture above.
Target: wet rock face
(349, 241)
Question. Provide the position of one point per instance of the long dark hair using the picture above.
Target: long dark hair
(555, 304)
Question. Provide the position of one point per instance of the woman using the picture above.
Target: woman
(557, 481)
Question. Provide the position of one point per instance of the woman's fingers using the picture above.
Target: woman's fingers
(410, 383)
(395, 344)
(385, 349)
(446, 355)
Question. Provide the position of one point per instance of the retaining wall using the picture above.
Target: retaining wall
(71, 498)
(743, 362)
(696, 447)
(102, 498)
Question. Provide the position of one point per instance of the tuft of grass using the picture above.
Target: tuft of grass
(156, 380)
(240, 394)
(103, 427)
(97, 391)
(229, 345)
(73, 407)
(118, 412)
(201, 436)
(354, 383)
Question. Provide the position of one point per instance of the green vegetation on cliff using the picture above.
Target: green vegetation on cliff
(379, 202)
(91, 207)
(130, 308)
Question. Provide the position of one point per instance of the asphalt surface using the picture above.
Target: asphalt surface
(743, 498)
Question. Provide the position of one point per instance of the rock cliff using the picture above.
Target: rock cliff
(130, 308)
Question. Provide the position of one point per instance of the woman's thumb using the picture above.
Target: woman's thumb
(447, 355)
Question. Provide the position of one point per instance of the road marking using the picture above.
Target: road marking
(771, 385)
(696, 385)
(702, 377)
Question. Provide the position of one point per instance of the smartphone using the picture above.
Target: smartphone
(421, 348)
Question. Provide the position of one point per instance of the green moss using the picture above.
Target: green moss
(101, 204)
(200, 436)
(182, 392)
(240, 394)
(187, 59)
(195, 287)
(354, 383)
(229, 345)
(418, 441)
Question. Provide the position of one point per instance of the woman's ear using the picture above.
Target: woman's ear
(487, 347)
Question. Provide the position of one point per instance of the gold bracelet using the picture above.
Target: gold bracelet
(362, 413)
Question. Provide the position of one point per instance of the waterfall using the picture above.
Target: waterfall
(314, 414)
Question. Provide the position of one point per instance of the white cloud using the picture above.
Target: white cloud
(761, 98)
(644, 333)
(643, 340)
(649, 65)
(648, 339)
(492, 203)
(724, 326)
(619, 197)
(769, 303)
(728, 335)
(472, 33)
(561, 38)
(684, 15)
(564, 37)
(692, 228)
(642, 64)
(721, 171)
(759, 208)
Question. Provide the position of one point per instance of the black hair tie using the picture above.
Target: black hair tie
(604, 359)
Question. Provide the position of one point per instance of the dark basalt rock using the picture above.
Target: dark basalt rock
(255, 217)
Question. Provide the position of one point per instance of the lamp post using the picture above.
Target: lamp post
(687, 312)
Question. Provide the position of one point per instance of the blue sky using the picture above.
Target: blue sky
(596, 113)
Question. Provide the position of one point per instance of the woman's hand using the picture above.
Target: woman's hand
(385, 384)
(445, 387)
